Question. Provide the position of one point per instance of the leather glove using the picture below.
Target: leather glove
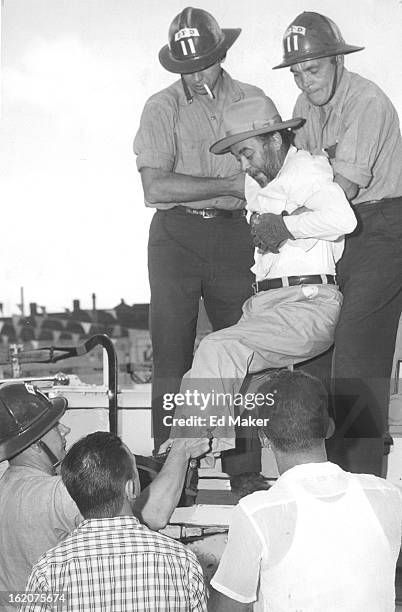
(269, 231)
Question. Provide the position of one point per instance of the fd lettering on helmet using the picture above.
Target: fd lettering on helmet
(295, 30)
(186, 33)
(185, 37)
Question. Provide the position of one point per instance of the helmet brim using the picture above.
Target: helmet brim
(30, 435)
(224, 144)
(304, 57)
(196, 64)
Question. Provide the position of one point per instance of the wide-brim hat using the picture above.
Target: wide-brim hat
(196, 42)
(251, 117)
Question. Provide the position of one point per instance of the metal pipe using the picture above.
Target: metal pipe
(59, 379)
(106, 342)
(54, 354)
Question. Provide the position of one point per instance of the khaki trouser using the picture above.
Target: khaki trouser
(278, 328)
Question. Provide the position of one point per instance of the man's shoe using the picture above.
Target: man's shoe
(247, 483)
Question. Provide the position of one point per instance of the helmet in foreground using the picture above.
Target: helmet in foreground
(26, 415)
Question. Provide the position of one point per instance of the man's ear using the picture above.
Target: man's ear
(35, 448)
(130, 490)
(274, 143)
(331, 428)
(264, 440)
(277, 140)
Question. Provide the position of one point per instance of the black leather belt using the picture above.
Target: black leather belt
(211, 213)
(290, 281)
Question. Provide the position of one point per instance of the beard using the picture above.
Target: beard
(259, 176)
(263, 176)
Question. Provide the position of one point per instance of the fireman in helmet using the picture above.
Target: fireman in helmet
(36, 511)
(351, 121)
(199, 243)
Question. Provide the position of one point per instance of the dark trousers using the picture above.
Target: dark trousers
(191, 257)
(370, 278)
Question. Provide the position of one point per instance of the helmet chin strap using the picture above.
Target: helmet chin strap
(187, 93)
(52, 457)
(335, 79)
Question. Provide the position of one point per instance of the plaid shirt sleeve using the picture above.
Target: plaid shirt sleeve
(198, 600)
(37, 584)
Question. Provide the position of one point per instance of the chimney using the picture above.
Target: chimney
(33, 309)
(76, 306)
(94, 301)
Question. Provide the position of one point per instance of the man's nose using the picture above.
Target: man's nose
(245, 164)
(306, 80)
(197, 76)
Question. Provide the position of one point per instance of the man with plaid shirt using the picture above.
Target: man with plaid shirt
(111, 562)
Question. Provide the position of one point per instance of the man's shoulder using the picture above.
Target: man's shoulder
(308, 167)
(360, 84)
(131, 539)
(375, 483)
(249, 90)
(360, 91)
(276, 496)
(24, 476)
(165, 545)
(170, 96)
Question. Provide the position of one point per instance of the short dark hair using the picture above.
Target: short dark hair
(298, 417)
(95, 472)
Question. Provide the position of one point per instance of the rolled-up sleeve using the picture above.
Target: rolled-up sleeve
(154, 143)
(238, 573)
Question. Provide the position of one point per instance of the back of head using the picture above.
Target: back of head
(298, 416)
(95, 472)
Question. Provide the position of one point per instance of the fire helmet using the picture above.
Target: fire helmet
(311, 36)
(26, 414)
(195, 42)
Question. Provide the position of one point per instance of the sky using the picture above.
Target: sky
(75, 75)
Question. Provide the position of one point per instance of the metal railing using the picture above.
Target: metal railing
(53, 354)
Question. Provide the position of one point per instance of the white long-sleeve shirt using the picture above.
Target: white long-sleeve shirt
(304, 180)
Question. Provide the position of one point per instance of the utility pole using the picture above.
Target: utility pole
(21, 305)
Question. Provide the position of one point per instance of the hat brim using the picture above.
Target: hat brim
(224, 144)
(299, 57)
(199, 63)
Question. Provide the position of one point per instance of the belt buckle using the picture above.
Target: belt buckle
(208, 213)
(255, 287)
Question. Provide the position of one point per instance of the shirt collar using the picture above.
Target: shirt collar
(229, 87)
(29, 469)
(291, 152)
(313, 470)
(337, 100)
(116, 522)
